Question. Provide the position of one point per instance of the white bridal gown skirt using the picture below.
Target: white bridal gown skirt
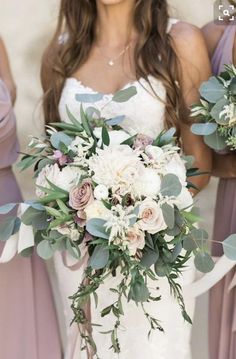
(174, 343)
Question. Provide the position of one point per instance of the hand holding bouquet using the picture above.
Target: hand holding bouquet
(120, 202)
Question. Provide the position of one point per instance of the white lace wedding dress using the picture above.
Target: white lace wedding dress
(144, 114)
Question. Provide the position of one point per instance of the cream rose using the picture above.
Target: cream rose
(97, 210)
(151, 217)
(81, 196)
(135, 240)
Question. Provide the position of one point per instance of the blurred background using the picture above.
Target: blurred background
(26, 27)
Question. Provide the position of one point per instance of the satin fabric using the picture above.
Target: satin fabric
(222, 303)
(28, 324)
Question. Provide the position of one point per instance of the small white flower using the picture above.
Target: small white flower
(101, 192)
(148, 183)
(68, 230)
(154, 152)
(176, 166)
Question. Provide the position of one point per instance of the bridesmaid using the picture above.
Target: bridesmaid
(221, 41)
(28, 325)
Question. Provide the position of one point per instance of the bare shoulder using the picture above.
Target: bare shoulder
(188, 39)
(212, 33)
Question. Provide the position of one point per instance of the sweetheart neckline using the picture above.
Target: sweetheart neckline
(131, 83)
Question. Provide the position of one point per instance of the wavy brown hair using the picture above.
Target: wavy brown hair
(154, 53)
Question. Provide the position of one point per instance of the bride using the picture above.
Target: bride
(104, 46)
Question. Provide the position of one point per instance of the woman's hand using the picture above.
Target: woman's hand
(5, 71)
(195, 68)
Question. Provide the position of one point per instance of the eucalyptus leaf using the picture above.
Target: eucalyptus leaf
(215, 141)
(99, 258)
(216, 110)
(96, 227)
(162, 269)
(45, 250)
(202, 129)
(35, 218)
(167, 137)
(89, 98)
(17, 225)
(176, 251)
(125, 95)
(189, 244)
(212, 90)
(229, 247)
(138, 290)
(7, 228)
(74, 251)
(204, 262)
(149, 258)
(232, 86)
(169, 215)
(115, 120)
(7, 208)
(60, 137)
(170, 185)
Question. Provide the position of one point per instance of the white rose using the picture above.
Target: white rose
(151, 217)
(176, 166)
(97, 210)
(116, 137)
(185, 199)
(101, 192)
(154, 152)
(68, 177)
(148, 183)
(50, 172)
(135, 240)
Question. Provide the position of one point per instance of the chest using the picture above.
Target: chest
(144, 113)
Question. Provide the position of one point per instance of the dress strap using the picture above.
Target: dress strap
(223, 54)
(171, 22)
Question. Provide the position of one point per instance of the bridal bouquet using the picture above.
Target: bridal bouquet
(121, 202)
(217, 111)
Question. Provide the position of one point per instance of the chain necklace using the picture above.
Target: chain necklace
(112, 60)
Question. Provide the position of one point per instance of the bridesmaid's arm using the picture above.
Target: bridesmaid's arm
(195, 68)
(5, 71)
(224, 166)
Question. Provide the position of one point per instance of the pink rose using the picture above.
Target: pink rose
(81, 196)
(142, 141)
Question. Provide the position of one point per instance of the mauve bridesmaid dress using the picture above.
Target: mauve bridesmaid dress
(222, 305)
(28, 324)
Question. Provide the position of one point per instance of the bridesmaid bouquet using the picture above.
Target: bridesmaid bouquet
(217, 111)
(118, 203)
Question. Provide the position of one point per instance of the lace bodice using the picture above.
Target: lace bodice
(144, 112)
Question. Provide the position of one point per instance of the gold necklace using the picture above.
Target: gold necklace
(111, 60)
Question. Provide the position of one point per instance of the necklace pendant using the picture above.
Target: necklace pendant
(111, 63)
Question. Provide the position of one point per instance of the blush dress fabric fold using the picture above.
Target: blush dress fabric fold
(222, 301)
(28, 323)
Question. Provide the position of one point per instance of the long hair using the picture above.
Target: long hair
(154, 53)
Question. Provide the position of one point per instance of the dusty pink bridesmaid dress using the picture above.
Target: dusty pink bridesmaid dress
(28, 324)
(222, 305)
